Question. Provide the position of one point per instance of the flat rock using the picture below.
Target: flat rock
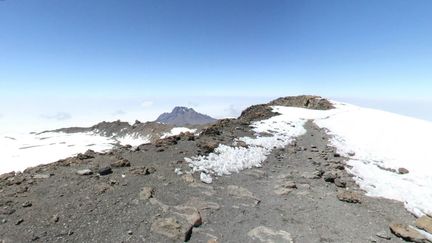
(425, 223)
(84, 172)
(330, 176)
(268, 235)
(146, 193)
(312, 175)
(42, 176)
(403, 171)
(339, 182)
(407, 233)
(105, 171)
(349, 197)
(188, 178)
(121, 163)
(168, 227)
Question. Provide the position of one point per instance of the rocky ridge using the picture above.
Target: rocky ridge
(302, 193)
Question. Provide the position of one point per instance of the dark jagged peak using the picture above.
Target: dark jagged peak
(180, 116)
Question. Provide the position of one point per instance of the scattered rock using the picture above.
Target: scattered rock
(188, 178)
(190, 214)
(121, 163)
(330, 176)
(146, 193)
(26, 204)
(349, 197)
(403, 171)
(84, 172)
(19, 221)
(383, 235)
(336, 155)
(407, 233)
(312, 175)
(267, 235)
(142, 170)
(55, 218)
(208, 146)
(168, 227)
(105, 171)
(339, 182)
(42, 176)
(425, 223)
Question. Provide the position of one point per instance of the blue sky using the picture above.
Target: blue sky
(81, 49)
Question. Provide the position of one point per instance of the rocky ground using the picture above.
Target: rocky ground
(301, 194)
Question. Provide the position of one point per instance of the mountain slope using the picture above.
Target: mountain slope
(275, 174)
(181, 116)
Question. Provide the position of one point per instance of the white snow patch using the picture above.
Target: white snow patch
(206, 178)
(27, 150)
(133, 139)
(177, 130)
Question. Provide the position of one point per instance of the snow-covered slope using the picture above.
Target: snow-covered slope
(20, 151)
(379, 144)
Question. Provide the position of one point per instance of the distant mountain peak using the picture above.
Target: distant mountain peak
(181, 115)
(182, 109)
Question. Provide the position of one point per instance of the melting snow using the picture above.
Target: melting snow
(378, 139)
(177, 130)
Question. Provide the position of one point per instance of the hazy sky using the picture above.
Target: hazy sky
(133, 49)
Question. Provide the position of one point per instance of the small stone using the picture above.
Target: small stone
(130, 232)
(26, 204)
(336, 155)
(403, 171)
(407, 233)
(84, 172)
(330, 176)
(339, 182)
(41, 176)
(188, 178)
(55, 218)
(351, 154)
(19, 221)
(312, 175)
(105, 171)
(146, 193)
(383, 235)
(349, 197)
(425, 223)
(121, 163)
(268, 235)
(142, 170)
(4, 221)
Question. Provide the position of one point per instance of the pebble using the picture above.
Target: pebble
(26, 204)
(105, 171)
(84, 172)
